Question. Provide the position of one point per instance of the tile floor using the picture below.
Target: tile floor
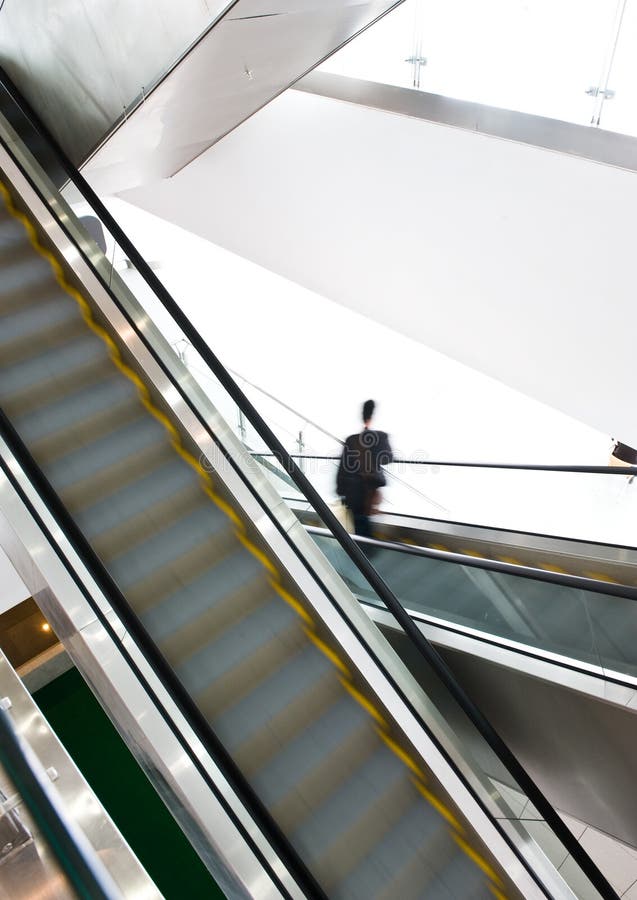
(616, 860)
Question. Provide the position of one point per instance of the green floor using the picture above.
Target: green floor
(108, 766)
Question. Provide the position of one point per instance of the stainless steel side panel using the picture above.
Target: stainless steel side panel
(77, 802)
(579, 749)
(82, 64)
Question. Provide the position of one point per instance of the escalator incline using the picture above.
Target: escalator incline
(347, 804)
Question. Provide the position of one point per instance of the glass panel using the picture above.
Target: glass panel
(596, 507)
(536, 57)
(612, 622)
(380, 52)
(593, 507)
(586, 626)
(28, 867)
(589, 507)
(518, 609)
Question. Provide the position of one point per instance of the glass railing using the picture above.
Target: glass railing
(588, 503)
(572, 62)
(556, 615)
(313, 447)
(153, 317)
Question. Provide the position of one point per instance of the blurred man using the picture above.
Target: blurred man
(359, 472)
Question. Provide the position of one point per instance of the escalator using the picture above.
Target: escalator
(535, 649)
(605, 558)
(609, 563)
(578, 622)
(595, 560)
(337, 758)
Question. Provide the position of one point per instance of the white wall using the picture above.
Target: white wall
(272, 331)
(12, 590)
(514, 260)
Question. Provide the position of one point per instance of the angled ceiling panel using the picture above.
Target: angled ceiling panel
(142, 92)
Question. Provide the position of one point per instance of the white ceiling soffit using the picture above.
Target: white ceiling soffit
(253, 53)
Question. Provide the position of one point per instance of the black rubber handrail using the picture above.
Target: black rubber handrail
(353, 551)
(85, 875)
(523, 467)
(529, 467)
(576, 582)
(158, 662)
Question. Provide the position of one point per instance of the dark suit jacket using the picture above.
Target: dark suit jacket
(359, 470)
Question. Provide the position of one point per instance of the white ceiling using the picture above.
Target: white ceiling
(514, 260)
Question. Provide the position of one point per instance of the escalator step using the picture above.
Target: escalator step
(184, 550)
(348, 825)
(79, 419)
(33, 384)
(149, 522)
(54, 338)
(165, 483)
(12, 233)
(38, 289)
(307, 751)
(83, 472)
(123, 472)
(258, 724)
(14, 244)
(405, 861)
(21, 330)
(24, 274)
(242, 652)
(35, 372)
(224, 577)
(316, 762)
(220, 613)
(461, 877)
(161, 484)
(151, 557)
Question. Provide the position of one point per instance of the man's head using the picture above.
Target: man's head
(368, 411)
